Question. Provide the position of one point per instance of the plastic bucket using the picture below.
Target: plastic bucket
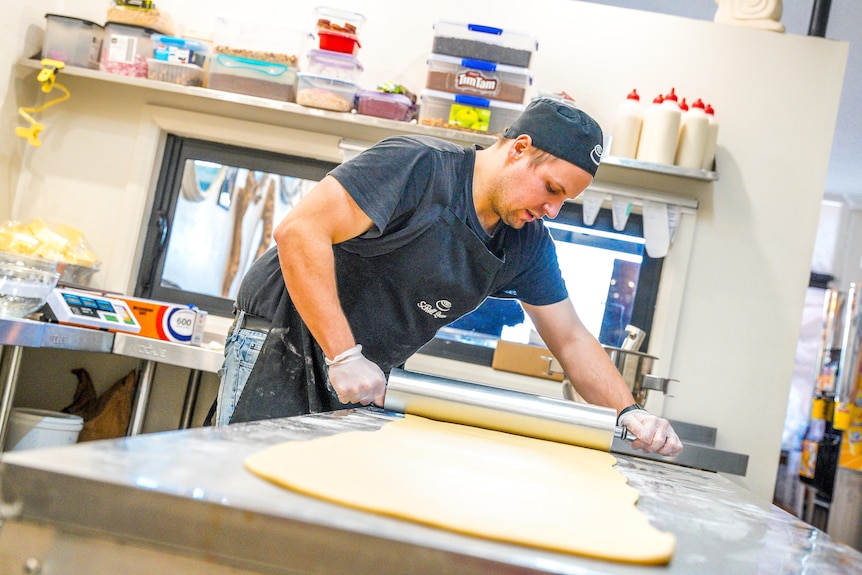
(33, 428)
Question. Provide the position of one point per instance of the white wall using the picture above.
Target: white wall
(743, 288)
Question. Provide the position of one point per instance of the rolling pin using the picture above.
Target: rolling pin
(505, 410)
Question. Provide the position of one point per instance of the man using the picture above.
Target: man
(405, 238)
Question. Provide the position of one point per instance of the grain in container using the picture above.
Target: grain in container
(484, 43)
(477, 77)
(460, 111)
(74, 41)
(260, 40)
(325, 93)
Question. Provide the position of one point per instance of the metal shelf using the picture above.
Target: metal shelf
(703, 175)
(349, 121)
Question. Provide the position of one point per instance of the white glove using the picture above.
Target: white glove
(355, 379)
(654, 434)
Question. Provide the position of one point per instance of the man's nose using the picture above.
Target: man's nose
(552, 210)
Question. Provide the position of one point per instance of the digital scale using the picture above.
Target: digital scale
(90, 309)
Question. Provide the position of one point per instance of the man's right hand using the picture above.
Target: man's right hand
(356, 379)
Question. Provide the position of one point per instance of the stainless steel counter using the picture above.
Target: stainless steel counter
(185, 497)
(18, 333)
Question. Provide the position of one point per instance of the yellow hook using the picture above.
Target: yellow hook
(47, 77)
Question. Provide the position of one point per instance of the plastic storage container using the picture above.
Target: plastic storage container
(477, 77)
(339, 19)
(74, 41)
(333, 65)
(385, 105)
(175, 72)
(338, 30)
(179, 50)
(326, 93)
(257, 40)
(484, 43)
(253, 77)
(125, 50)
(460, 111)
(37, 428)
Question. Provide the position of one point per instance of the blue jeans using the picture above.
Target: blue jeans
(240, 354)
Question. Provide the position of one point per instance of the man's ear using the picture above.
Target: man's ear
(520, 146)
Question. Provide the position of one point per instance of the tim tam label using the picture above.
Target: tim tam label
(471, 80)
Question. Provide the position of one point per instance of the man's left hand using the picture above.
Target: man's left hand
(654, 434)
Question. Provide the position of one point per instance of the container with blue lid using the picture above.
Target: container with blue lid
(478, 77)
(483, 42)
(466, 112)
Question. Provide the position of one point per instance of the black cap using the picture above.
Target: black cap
(562, 130)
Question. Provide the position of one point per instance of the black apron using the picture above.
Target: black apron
(394, 303)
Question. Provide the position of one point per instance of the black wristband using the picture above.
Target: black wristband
(625, 410)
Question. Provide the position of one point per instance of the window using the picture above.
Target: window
(213, 215)
(610, 278)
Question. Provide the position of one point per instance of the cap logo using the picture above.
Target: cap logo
(596, 154)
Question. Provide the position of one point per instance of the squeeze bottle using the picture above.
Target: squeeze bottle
(711, 140)
(660, 130)
(693, 133)
(627, 127)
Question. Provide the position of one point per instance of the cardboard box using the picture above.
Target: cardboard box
(168, 321)
(532, 360)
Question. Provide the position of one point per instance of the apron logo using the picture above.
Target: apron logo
(438, 310)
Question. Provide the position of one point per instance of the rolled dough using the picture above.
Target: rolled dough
(478, 482)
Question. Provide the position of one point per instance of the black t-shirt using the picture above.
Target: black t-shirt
(402, 184)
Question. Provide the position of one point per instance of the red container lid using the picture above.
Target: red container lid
(339, 41)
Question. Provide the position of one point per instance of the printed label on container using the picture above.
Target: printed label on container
(123, 49)
(470, 117)
(177, 324)
(472, 80)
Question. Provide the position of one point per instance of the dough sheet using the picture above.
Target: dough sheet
(477, 482)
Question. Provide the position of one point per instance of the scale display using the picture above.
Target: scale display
(92, 310)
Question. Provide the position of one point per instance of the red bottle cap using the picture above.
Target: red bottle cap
(709, 109)
(683, 106)
(671, 95)
(658, 99)
(698, 104)
(633, 95)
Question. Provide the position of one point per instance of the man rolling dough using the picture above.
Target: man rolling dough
(400, 241)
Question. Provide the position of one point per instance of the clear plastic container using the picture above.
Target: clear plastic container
(179, 50)
(463, 112)
(175, 72)
(477, 77)
(339, 20)
(333, 65)
(258, 40)
(125, 50)
(326, 93)
(484, 43)
(253, 77)
(385, 105)
(73, 41)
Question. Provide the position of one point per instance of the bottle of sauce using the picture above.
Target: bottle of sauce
(711, 140)
(627, 127)
(660, 131)
(811, 442)
(693, 134)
